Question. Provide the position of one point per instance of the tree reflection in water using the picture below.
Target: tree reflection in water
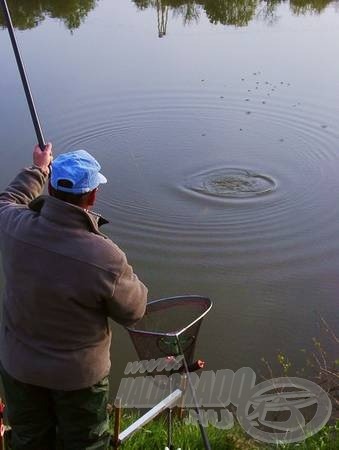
(226, 12)
(29, 13)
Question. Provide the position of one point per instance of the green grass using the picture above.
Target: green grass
(187, 437)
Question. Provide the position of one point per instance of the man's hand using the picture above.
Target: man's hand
(43, 158)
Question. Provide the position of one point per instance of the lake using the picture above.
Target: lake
(216, 123)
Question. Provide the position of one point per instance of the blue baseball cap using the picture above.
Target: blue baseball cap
(79, 169)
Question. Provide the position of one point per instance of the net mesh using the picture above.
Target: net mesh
(165, 322)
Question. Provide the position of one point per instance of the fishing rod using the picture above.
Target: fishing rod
(24, 79)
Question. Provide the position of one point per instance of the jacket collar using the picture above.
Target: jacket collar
(66, 214)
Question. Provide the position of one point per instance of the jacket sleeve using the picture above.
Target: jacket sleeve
(128, 303)
(25, 187)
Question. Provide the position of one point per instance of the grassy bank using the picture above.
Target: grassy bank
(187, 437)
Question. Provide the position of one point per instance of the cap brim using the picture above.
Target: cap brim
(101, 178)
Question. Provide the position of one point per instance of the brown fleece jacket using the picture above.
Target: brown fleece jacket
(64, 278)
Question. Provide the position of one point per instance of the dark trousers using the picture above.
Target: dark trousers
(39, 416)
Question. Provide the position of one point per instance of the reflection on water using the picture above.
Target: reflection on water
(30, 13)
(239, 13)
(226, 12)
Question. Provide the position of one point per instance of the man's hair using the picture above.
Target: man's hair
(75, 199)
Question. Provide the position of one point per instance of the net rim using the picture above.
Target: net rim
(177, 333)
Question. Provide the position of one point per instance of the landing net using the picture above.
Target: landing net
(170, 327)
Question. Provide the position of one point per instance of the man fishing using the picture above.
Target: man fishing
(63, 279)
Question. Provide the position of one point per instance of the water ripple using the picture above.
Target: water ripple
(166, 149)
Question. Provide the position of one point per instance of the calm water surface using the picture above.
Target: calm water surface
(177, 100)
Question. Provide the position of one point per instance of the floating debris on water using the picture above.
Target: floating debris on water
(232, 182)
(324, 126)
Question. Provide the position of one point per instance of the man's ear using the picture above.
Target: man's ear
(91, 197)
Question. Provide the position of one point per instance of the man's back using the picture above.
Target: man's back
(63, 279)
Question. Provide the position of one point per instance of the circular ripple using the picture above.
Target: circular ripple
(232, 182)
(152, 200)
